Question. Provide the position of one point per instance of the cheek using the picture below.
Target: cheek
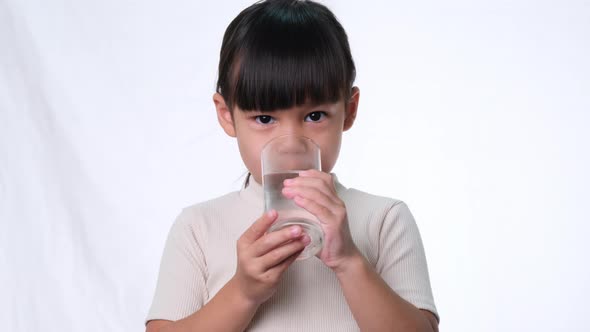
(250, 152)
(330, 152)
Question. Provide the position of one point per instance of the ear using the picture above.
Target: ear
(224, 115)
(351, 108)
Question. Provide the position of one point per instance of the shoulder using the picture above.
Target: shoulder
(358, 199)
(194, 218)
(199, 209)
(379, 214)
(377, 223)
(221, 218)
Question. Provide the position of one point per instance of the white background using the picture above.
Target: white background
(475, 113)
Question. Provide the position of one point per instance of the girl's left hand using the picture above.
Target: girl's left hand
(315, 191)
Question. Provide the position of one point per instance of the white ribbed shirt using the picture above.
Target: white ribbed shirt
(200, 257)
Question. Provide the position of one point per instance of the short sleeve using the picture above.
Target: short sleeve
(401, 259)
(181, 287)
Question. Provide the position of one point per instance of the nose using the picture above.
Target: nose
(290, 152)
(291, 145)
(291, 124)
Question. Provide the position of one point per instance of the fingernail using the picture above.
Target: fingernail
(295, 230)
(306, 239)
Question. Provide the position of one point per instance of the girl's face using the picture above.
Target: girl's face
(324, 124)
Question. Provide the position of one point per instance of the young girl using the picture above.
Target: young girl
(286, 68)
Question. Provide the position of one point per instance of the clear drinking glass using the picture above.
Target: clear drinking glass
(283, 158)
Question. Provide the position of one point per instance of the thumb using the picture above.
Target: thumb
(259, 227)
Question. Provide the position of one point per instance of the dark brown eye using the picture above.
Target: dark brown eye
(315, 116)
(264, 119)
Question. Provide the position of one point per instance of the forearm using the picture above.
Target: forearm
(227, 311)
(374, 305)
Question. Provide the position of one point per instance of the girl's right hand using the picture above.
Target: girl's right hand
(263, 257)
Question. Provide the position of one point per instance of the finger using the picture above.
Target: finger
(327, 178)
(314, 194)
(274, 239)
(277, 256)
(274, 274)
(312, 182)
(317, 174)
(280, 268)
(259, 227)
(322, 212)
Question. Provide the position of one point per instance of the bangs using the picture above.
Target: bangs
(289, 59)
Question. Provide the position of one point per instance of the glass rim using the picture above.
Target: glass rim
(277, 138)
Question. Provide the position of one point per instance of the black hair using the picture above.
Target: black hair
(277, 54)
